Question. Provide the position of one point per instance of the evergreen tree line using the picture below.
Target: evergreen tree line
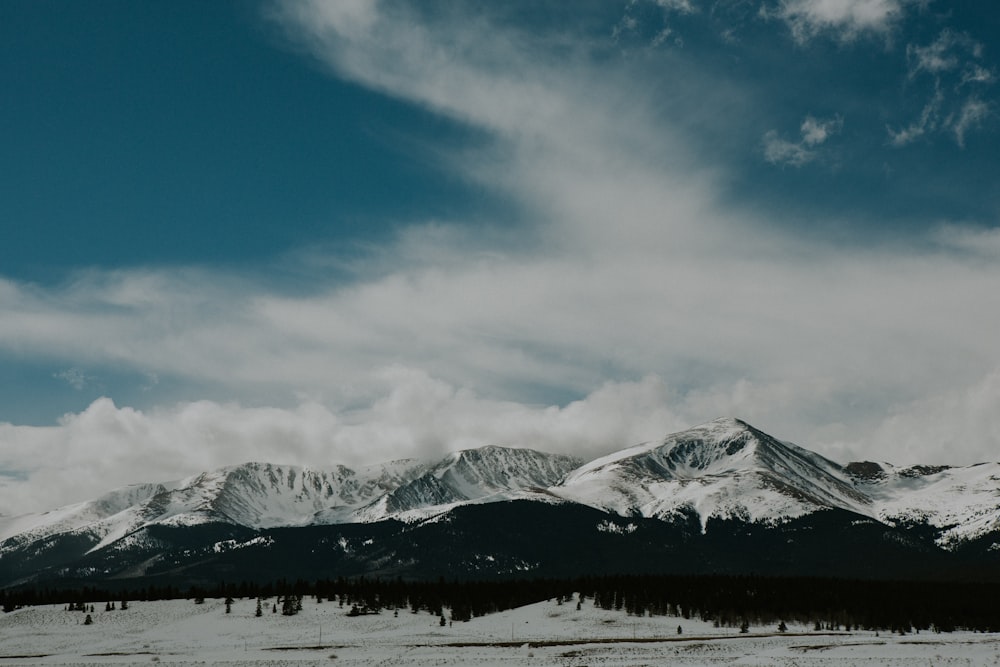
(826, 604)
(732, 601)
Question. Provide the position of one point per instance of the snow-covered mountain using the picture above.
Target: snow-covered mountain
(264, 495)
(723, 470)
(253, 495)
(115, 514)
(487, 474)
(728, 469)
(961, 503)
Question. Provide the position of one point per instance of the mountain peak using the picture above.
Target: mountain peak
(718, 446)
(722, 468)
(726, 422)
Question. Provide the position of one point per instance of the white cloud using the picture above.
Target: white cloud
(951, 61)
(782, 151)
(680, 6)
(941, 55)
(814, 132)
(950, 52)
(976, 74)
(972, 115)
(976, 241)
(927, 122)
(845, 18)
(630, 24)
(74, 377)
(933, 427)
(662, 36)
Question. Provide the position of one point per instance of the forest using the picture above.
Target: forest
(727, 601)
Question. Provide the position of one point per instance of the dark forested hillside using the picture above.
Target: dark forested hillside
(512, 540)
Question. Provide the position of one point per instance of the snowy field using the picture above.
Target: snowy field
(183, 633)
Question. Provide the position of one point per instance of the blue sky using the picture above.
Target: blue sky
(324, 232)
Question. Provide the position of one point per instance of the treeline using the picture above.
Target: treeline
(731, 601)
(464, 600)
(826, 604)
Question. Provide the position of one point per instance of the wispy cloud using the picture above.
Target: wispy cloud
(846, 19)
(632, 22)
(976, 74)
(945, 53)
(952, 61)
(928, 121)
(972, 115)
(814, 132)
(74, 377)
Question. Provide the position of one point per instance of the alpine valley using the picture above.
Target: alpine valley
(722, 497)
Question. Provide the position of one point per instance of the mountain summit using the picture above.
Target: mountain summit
(722, 469)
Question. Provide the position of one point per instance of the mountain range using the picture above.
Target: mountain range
(720, 497)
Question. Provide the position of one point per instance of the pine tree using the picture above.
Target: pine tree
(258, 613)
(229, 605)
(88, 620)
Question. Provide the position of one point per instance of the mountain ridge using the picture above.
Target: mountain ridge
(722, 471)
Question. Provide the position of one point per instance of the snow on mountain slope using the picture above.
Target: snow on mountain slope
(254, 495)
(963, 503)
(263, 495)
(487, 474)
(723, 469)
(93, 518)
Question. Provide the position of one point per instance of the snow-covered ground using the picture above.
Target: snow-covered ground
(183, 633)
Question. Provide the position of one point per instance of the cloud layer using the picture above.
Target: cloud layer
(107, 446)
